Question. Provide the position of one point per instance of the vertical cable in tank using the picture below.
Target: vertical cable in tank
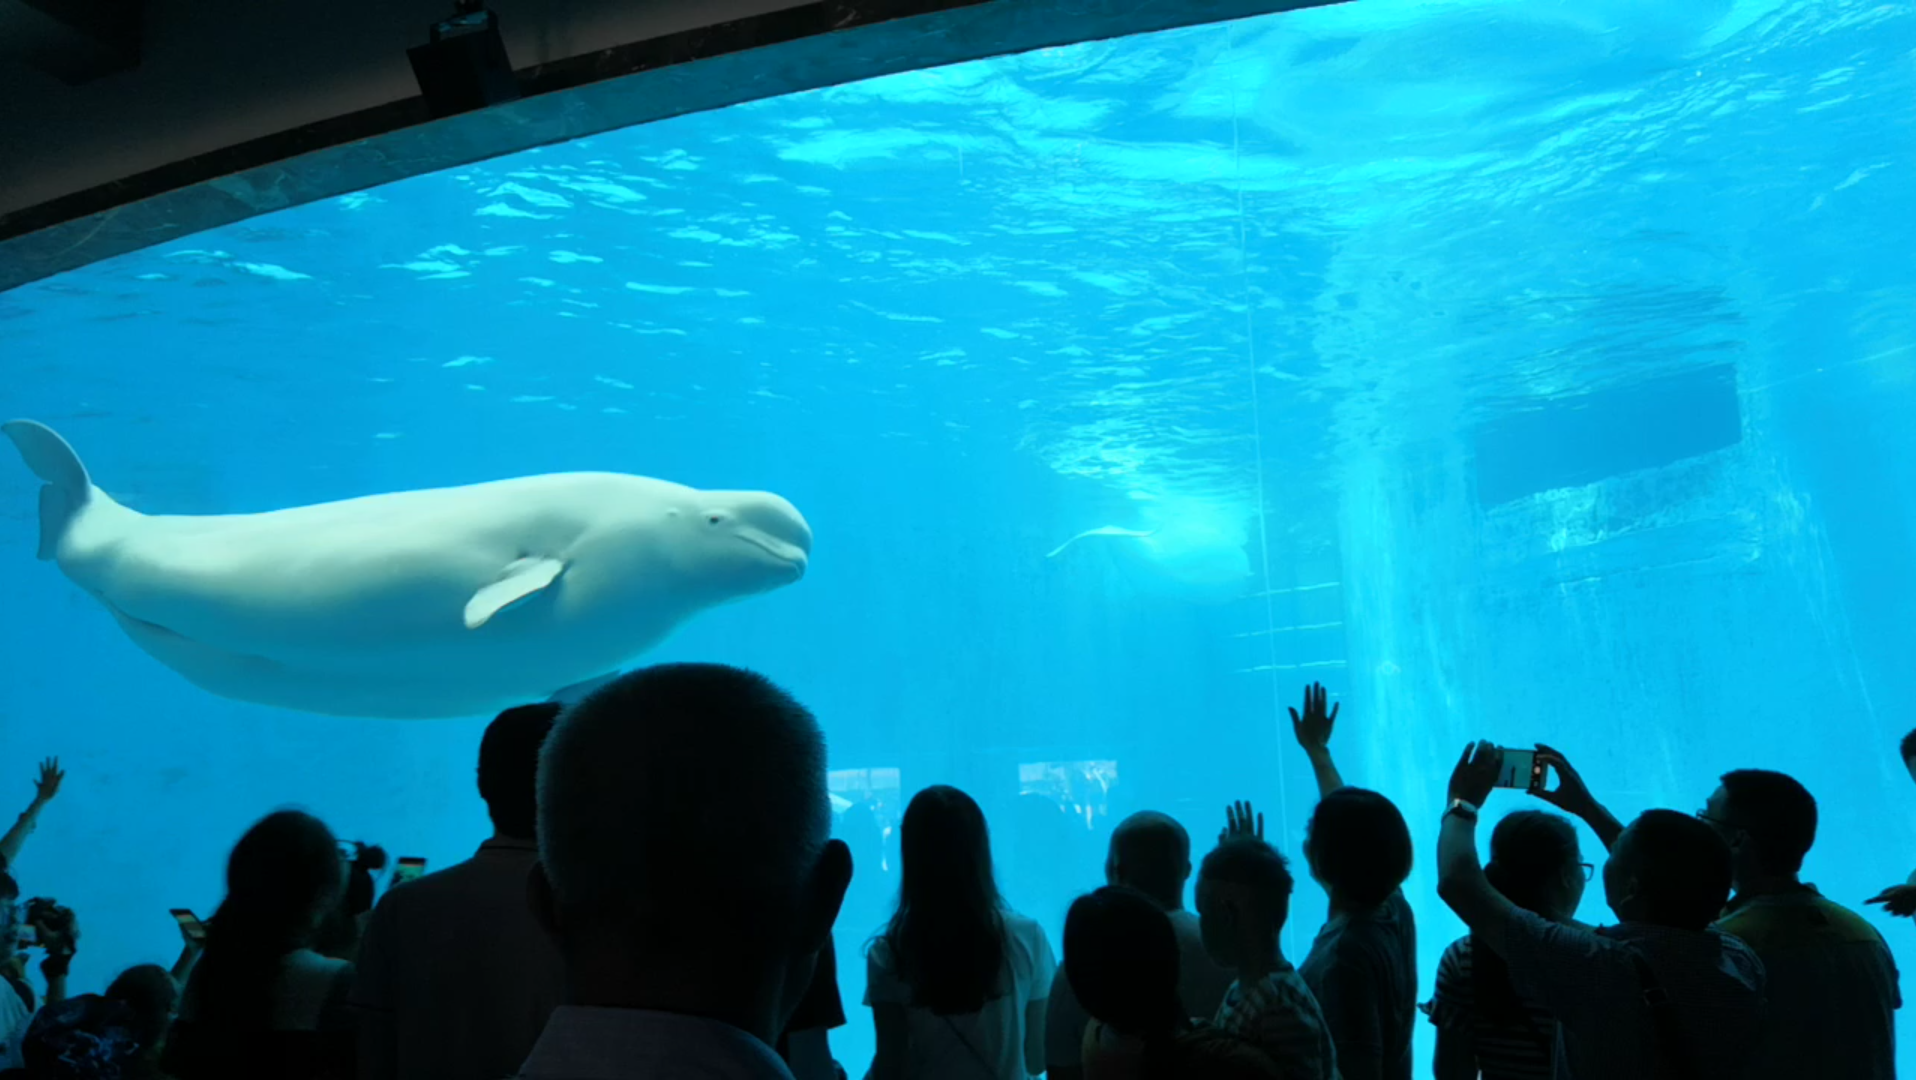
(1257, 445)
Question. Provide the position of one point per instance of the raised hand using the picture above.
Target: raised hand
(1240, 821)
(1898, 900)
(1475, 776)
(48, 785)
(59, 931)
(1313, 728)
(1570, 795)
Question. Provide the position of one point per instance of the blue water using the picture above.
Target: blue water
(1529, 370)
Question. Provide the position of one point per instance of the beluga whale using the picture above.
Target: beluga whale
(1192, 552)
(442, 602)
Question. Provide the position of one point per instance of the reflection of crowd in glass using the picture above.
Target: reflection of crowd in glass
(630, 919)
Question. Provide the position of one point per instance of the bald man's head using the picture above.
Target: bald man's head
(682, 819)
(1151, 852)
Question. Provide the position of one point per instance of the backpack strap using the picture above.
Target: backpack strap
(1672, 1049)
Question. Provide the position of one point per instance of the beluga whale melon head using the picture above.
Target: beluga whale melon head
(441, 602)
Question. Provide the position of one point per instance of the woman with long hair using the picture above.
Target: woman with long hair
(1483, 1025)
(261, 1002)
(957, 981)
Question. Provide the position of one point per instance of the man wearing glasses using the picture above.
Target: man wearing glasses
(1831, 981)
(1659, 994)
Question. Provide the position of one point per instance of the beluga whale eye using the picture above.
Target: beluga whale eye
(715, 517)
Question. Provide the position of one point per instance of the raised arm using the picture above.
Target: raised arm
(1460, 875)
(192, 944)
(1313, 732)
(44, 789)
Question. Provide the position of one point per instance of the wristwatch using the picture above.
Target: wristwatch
(1463, 809)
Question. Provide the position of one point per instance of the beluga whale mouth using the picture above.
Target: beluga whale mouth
(791, 554)
(768, 523)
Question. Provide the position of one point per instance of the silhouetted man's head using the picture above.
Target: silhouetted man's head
(1150, 852)
(684, 842)
(1669, 869)
(1358, 847)
(1767, 819)
(1121, 957)
(1243, 898)
(1909, 754)
(1536, 864)
(509, 767)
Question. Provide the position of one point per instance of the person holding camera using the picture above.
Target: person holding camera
(56, 932)
(1662, 993)
(340, 935)
(39, 922)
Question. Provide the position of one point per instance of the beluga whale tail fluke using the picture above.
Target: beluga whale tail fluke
(413, 604)
(68, 488)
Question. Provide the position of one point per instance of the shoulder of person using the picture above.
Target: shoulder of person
(1529, 936)
(426, 886)
(1025, 930)
(1375, 939)
(1029, 946)
(1846, 922)
(1456, 958)
(1289, 986)
(307, 965)
(1399, 906)
(1735, 948)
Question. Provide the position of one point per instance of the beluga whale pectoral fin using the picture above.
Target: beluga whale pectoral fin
(521, 580)
(68, 488)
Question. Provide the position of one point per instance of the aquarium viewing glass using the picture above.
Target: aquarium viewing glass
(1534, 371)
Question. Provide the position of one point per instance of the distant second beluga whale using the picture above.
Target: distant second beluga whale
(444, 602)
(1196, 555)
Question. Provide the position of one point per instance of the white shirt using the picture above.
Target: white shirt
(459, 969)
(582, 1043)
(993, 1038)
(14, 1018)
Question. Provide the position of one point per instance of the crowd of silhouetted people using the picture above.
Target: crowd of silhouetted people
(640, 912)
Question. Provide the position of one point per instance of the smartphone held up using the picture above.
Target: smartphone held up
(1521, 770)
(190, 925)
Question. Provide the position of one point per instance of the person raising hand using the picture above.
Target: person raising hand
(44, 789)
